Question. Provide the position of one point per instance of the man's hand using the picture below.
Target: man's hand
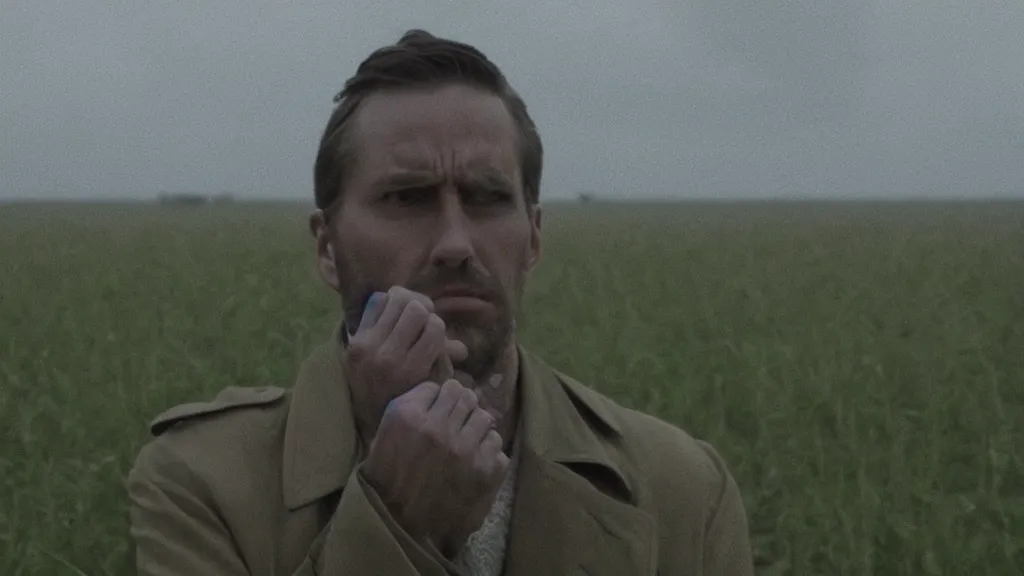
(437, 463)
(399, 343)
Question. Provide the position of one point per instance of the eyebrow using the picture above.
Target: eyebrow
(405, 179)
(489, 178)
(480, 177)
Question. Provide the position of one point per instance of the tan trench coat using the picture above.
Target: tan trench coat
(265, 481)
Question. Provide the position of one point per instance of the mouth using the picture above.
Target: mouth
(460, 299)
(459, 292)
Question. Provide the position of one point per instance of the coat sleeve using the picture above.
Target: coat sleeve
(727, 549)
(178, 532)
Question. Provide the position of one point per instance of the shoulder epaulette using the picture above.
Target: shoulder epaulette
(230, 398)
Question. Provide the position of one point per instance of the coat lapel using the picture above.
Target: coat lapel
(320, 443)
(573, 512)
(563, 525)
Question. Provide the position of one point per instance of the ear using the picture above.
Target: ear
(325, 254)
(535, 239)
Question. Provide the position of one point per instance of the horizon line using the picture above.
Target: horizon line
(212, 199)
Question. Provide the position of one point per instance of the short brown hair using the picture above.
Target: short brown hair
(420, 59)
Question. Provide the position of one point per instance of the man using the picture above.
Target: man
(422, 439)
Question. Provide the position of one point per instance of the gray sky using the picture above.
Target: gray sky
(686, 98)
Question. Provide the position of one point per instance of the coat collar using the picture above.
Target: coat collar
(320, 441)
(562, 421)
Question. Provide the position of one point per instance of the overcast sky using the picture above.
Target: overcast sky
(684, 98)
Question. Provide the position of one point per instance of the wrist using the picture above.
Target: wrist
(396, 508)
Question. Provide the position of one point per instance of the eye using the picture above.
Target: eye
(409, 196)
(488, 196)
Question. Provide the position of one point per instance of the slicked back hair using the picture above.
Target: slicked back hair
(419, 60)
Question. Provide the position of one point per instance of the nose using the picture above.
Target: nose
(454, 246)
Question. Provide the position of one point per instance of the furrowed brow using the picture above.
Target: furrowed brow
(490, 179)
(405, 179)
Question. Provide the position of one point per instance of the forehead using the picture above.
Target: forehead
(452, 127)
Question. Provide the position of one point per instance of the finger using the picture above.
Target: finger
(470, 383)
(456, 350)
(372, 311)
(430, 344)
(463, 410)
(494, 467)
(442, 369)
(392, 309)
(479, 424)
(398, 299)
(492, 444)
(446, 399)
(408, 329)
(423, 395)
(502, 464)
(410, 296)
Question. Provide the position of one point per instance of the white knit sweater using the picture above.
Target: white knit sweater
(484, 553)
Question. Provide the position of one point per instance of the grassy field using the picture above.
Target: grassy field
(861, 367)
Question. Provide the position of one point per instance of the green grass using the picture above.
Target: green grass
(861, 367)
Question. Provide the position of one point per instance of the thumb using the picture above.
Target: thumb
(373, 310)
(456, 350)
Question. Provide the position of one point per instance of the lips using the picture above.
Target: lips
(461, 300)
(459, 292)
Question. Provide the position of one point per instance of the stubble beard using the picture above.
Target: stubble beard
(487, 344)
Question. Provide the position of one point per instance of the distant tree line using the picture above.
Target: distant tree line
(187, 198)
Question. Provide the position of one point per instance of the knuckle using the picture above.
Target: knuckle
(462, 448)
(403, 409)
(358, 347)
(452, 387)
(493, 439)
(411, 418)
(469, 398)
(416, 308)
(486, 417)
(384, 356)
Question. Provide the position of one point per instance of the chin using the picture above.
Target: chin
(486, 349)
(471, 336)
(461, 324)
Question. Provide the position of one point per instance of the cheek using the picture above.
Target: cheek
(373, 262)
(510, 252)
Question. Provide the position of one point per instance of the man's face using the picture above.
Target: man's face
(434, 202)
